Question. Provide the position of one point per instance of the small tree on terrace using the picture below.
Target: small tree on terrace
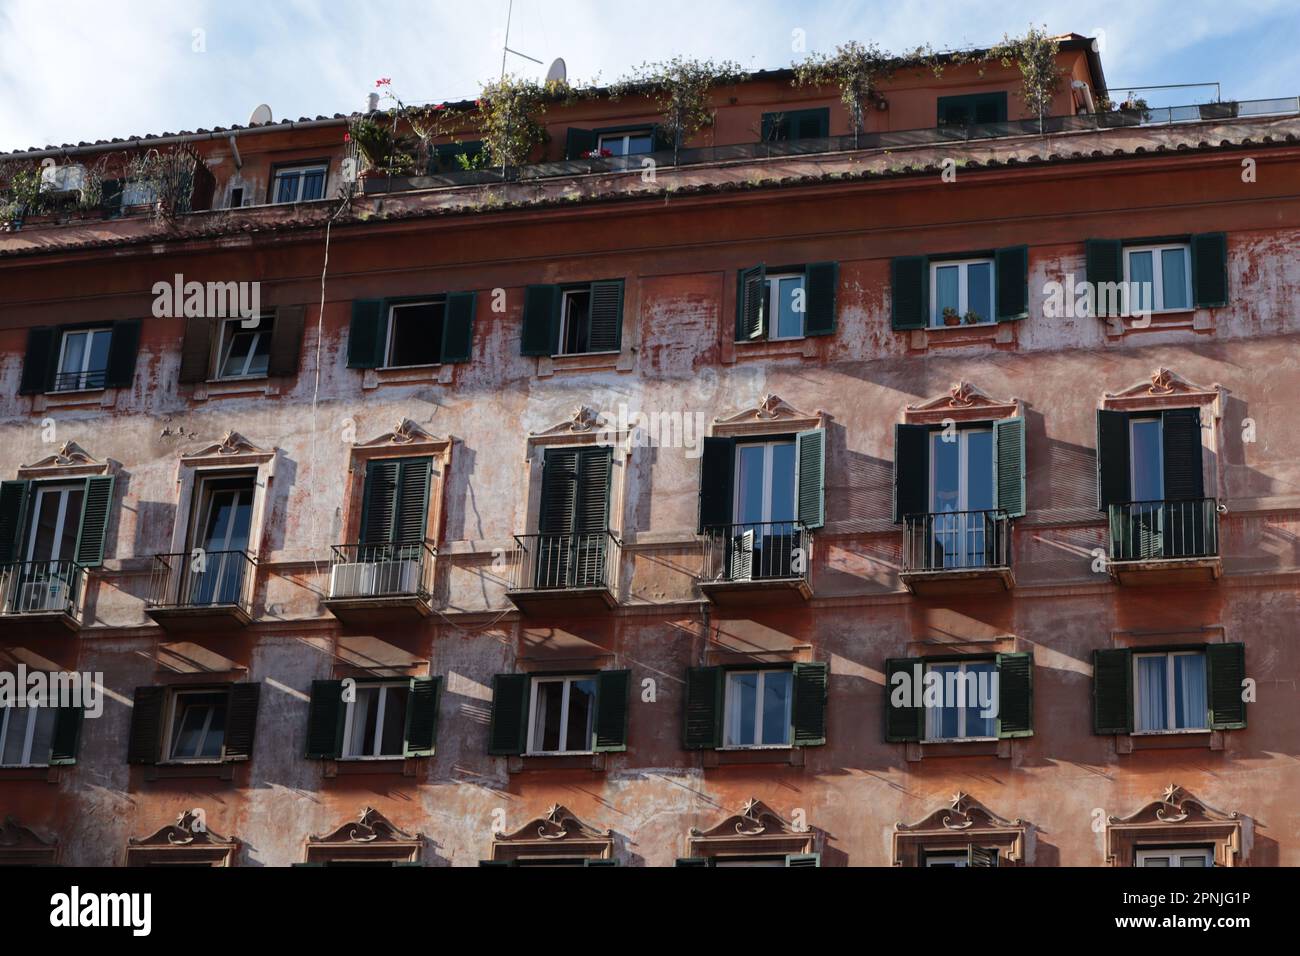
(1035, 54)
(508, 118)
(680, 89)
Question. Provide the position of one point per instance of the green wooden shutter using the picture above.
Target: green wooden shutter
(458, 327)
(1112, 691)
(803, 859)
(1009, 466)
(717, 483)
(1015, 695)
(905, 722)
(196, 351)
(591, 517)
(67, 734)
(368, 333)
(325, 720)
(810, 477)
(1105, 263)
(38, 363)
(379, 501)
(911, 470)
(1226, 667)
(702, 724)
(606, 325)
(1012, 268)
(821, 281)
(559, 491)
(422, 716)
(13, 511)
(1112, 459)
(1181, 431)
(909, 287)
(92, 531)
(751, 284)
(1210, 269)
(612, 705)
(508, 732)
(286, 341)
(808, 708)
(541, 324)
(123, 346)
(241, 719)
(578, 142)
(146, 725)
(411, 517)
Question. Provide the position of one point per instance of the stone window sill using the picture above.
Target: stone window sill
(224, 770)
(234, 388)
(415, 375)
(81, 398)
(1179, 740)
(956, 336)
(1197, 320)
(764, 350)
(958, 748)
(403, 766)
(750, 756)
(594, 762)
(586, 362)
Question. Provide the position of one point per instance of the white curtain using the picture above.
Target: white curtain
(1189, 673)
(1151, 693)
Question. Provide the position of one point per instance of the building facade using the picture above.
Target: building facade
(624, 511)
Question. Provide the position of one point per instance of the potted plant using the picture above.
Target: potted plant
(951, 316)
(1226, 109)
(972, 317)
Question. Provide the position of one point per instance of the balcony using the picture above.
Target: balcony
(565, 573)
(760, 563)
(957, 552)
(41, 596)
(381, 583)
(202, 590)
(1165, 542)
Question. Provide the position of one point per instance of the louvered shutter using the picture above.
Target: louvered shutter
(1105, 265)
(809, 705)
(751, 285)
(1181, 428)
(909, 287)
(1226, 667)
(123, 347)
(367, 333)
(241, 719)
(612, 704)
(196, 351)
(458, 327)
(13, 511)
(821, 283)
(1012, 268)
(606, 333)
(1112, 459)
(1210, 269)
(411, 514)
(422, 716)
(325, 720)
(286, 340)
(911, 471)
(540, 334)
(93, 529)
(379, 501)
(1009, 468)
(702, 721)
(1015, 695)
(591, 518)
(146, 725)
(810, 477)
(509, 727)
(1112, 691)
(904, 721)
(38, 362)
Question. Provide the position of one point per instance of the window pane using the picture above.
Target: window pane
(71, 521)
(74, 352)
(979, 289)
(198, 727)
(1197, 860)
(1141, 272)
(14, 720)
(1156, 861)
(577, 312)
(1153, 703)
(98, 356)
(582, 708)
(1173, 265)
(286, 187)
(546, 715)
(417, 334)
(640, 144)
(749, 500)
(313, 184)
(944, 456)
(740, 711)
(393, 740)
(782, 485)
(261, 353)
(1190, 709)
(1148, 478)
(776, 707)
(237, 354)
(979, 470)
(365, 715)
(947, 290)
(942, 721)
(789, 323)
(977, 686)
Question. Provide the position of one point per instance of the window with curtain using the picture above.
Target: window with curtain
(1169, 692)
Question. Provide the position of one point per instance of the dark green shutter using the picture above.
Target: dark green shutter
(411, 515)
(578, 141)
(38, 363)
(717, 483)
(606, 324)
(1112, 691)
(13, 510)
(368, 333)
(979, 856)
(591, 517)
(286, 341)
(905, 723)
(810, 477)
(93, 529)
(1015, 695)
(751, 285)
(1009, 466)
(1181, 436)
(146, 725)
(508, 732)
(325, 720)
(1105, 263)
(821, 281)
(559, 491)
(422, 716)
(911, 470)
(123, 346)
(379, 501)
(1012, 268)
(804, 859)
(1210, 269)
(458, 327)
(909, 287)
(1112, 459)
(702, 723)
(612, 705)
(67, 734)
(809, 706)
(1226, 667)
(541, 325)
(241, 719)
(196, 351)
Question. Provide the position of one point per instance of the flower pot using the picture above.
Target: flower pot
(1217, 111)
(952, 320)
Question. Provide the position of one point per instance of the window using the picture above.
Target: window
(375, 723)
(222, 523)
(571, 548)
(764, 535)
(961, 292)
(415, 333)
(953, 486)
(412, 332)
(1162, 275)
(1169, 692)
(245, 349)
(136, 193)
(758, 708)
(68, 359)
(972, 108)
(790, 302)
(83, 360)
(575, 321)
(630, 143)
(53, 521)
(946, 859)
(562, 717)
(1176, 857)
(26, 735)
(197, 730)
(961, 493)
(299, 183)
(961, 715)
(785, 302)
(1146, 459)
(796, 124)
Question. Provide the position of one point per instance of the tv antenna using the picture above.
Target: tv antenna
(510, 12)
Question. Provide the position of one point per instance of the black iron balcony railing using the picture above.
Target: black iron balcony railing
(1159, 530)
(203, 579)
(41, 587)
(957, 541)
(566, 561)
(757, 551)
(359, 571)
(75, 381)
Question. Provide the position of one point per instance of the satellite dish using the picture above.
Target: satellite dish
(558, 73)
(261, 116)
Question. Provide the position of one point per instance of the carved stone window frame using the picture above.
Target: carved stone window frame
(962, 823)
(234, 453)
(23, 846)
(1182, 819)
(558, 834)
(757, 830)
(406, 440)
(371, 838)
(188, 840)
(771, 416)
(964, 403)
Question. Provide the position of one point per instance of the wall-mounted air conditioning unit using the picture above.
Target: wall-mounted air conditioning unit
(48, 595)
(374, 579)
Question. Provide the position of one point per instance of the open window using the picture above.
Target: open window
(745, 708)
(412, 332)
(193, 724)
(1170, 275)
(80, 358)
(558, 714)
(235, 348)
(1169, 690)
(959, 289)
(790, 302)
(373, 718)
(940, 700)
(573, 319)
(244, 351)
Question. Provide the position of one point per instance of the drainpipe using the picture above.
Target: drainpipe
(234, 148)
(1087, 95)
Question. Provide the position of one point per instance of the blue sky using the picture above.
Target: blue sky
(71, 71)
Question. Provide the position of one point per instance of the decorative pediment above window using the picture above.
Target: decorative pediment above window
(69, 461)
(233, 450)
(23, 846)
(772, 415)
(188, 840)
(964, 822)
(586, 426)
(406, 439)
(371, 837)
(756, 831)
(963, 403)
(1163, 389)
(557, 834)
(1182, 819)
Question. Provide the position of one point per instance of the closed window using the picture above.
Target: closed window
(245, 348)
(1160, 277)
(961, 292)
(1169, 692)
(197, 729)
(562, 716)
(1176, 857)
(415, 333)
(375, 722)
(955, 859)
(786, 304)
(299, 183)
(961, 495)
(26, 734)
(796, 124)
(83, 360)
(758, 708)
(630, 143)
(968, 708)
(1146, 459)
